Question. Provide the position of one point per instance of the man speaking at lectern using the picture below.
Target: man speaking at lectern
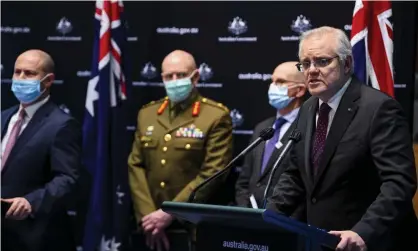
(354, 163)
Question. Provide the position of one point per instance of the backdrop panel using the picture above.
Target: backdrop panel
(236, 46)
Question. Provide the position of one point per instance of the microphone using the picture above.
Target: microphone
(294, 137)
(265, 134)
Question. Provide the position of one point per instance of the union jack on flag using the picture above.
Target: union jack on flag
(105, 135)
(372, 42)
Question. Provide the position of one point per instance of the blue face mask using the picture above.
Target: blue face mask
(278, 96)
(27, 90)
(178, 89)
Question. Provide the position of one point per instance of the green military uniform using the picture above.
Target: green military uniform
(175, 149)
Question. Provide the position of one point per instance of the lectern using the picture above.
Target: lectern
(229, 228)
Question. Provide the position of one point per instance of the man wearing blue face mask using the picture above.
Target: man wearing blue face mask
(40, 161)
(285, 94)
(180, 141)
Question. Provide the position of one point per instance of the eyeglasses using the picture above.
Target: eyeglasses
(318, 63)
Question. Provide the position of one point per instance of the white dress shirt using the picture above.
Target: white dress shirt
(290, 117)
(30, 111)
(333, 102)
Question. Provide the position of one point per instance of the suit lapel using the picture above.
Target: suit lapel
(342, 119)
(310, 125)
(274, 155)
(31, 129)
(258, 158)
(5, 120)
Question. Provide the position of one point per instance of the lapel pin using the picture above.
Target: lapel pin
(349, 109)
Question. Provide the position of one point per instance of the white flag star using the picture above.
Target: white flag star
(104, 244)
(92, 95)
(114, 245)
(119, 194)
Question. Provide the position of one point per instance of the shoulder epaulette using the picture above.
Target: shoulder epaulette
(215, 104)
(154, 102)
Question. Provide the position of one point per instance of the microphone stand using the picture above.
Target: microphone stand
(264, 135)
(293, 138)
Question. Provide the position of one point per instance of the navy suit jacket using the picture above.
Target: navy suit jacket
(43, 167)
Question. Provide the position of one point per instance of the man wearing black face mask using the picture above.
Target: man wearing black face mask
(40, 161)
(285, 94)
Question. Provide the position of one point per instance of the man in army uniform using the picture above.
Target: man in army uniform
(180, 141)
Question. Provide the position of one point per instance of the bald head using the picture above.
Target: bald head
(287, 71)
(179, 64)
(179, 58)
(286, 74)
(39, 59)
(35, 65)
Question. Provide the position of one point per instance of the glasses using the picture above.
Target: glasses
(318, 63)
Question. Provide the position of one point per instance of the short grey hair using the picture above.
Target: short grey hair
(344, 49)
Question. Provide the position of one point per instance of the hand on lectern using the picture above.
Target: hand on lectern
(349, 241)
(158, 219)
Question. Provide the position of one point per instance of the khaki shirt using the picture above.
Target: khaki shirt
(175, 149)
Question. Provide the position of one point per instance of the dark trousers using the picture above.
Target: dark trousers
(179, 241)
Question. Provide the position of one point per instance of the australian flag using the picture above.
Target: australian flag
(105, 135)
(372, 41)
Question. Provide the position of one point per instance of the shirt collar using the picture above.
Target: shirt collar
(335, 100)
(194, 95)
(31, 110)
(290, 117)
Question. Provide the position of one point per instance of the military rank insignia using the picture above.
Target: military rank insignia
(196, 109)
(189, 132)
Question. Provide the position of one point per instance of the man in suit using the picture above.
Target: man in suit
(285, 94)
(180, 141)
(40, 158)
(354, 163)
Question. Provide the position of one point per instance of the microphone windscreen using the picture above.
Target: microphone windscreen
(267, 133)
(295, 135)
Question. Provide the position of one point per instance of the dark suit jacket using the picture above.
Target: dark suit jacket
(43, 167)
(250, 180)
(366, 178)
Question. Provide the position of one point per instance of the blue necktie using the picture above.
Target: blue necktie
(269, 148)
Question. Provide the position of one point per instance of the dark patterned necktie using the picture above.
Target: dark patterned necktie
(268, 149)
(320, 136)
